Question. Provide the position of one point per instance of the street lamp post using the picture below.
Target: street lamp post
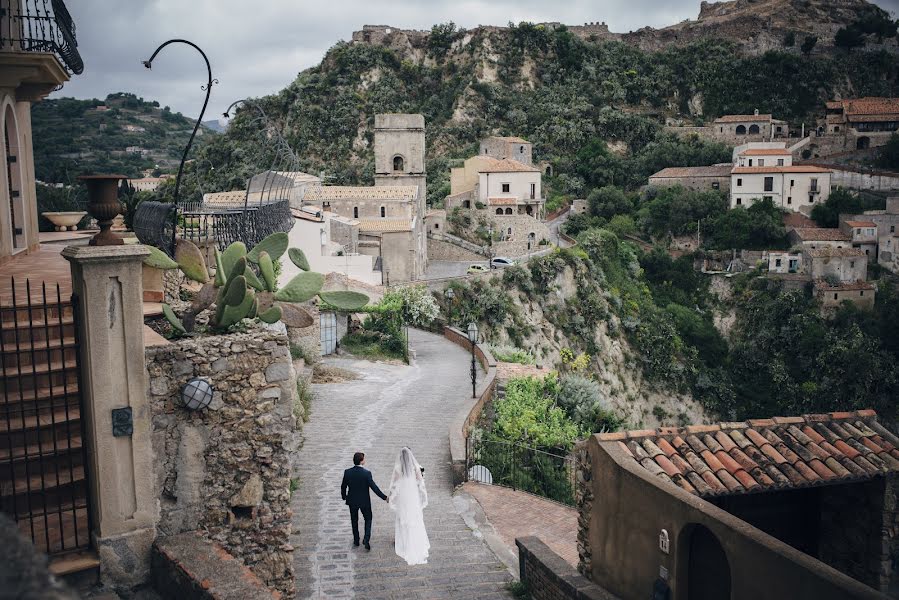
(206, 88)
(473, 338)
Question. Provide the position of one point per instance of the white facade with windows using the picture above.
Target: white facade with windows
(796, 188)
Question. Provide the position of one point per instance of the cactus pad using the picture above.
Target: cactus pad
(275, 245)
(344, 300)
(301, 288)
(298, 257)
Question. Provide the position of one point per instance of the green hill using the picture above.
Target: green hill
(594, 109)
(73, 137)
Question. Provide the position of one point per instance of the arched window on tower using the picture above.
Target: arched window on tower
(383, 212)
(355, 212)
(398, 163)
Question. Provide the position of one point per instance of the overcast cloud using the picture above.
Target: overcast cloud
(257, 47)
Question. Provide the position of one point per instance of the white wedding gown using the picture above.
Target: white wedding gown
(408, 498)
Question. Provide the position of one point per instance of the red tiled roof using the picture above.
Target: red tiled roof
(765, 152)
(739, 118)
(847, 286)
(505, 165)
(868, 105)
(861, 223)
(821, 234)
(709, 171)
(792, 169)
(761, 455)
(797, 220)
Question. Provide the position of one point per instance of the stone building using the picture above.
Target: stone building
(513, 148)
(714, 177)
(388, 225)
(33, 64)
(784, 507)
(864, 235)
(502, 186)
(860, 293)
(865, 122)
(886, 223)
(738, 129)
(843, 265)
(818, 237)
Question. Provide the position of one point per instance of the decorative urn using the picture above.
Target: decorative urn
(103, 204)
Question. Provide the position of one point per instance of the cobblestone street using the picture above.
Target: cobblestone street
(388, 407)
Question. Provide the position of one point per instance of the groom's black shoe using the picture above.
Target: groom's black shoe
(356, 543)
(367, 546)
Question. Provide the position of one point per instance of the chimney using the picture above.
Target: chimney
(756, 113)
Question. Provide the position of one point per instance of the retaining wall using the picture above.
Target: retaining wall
(548, 577)
(224, 470)
(468, 416)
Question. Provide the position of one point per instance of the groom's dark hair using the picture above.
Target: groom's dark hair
(357, 458)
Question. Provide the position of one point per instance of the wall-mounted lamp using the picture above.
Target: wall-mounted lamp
(196, 394)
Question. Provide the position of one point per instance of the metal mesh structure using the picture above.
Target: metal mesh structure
(40, 26)
(248, 216)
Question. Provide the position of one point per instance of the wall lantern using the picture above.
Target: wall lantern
(196, 394)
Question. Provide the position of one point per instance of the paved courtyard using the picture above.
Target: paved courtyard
(391, 406)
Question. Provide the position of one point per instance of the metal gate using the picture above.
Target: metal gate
(43, 466)
(328, 323)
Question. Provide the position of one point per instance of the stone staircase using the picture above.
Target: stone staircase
(43, 483)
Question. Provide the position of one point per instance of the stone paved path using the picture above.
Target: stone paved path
(515, 514)
(392, 406)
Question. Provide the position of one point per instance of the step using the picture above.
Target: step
(74, 562)
(62, 530)
(39, 346)
(46, 447)
(38, 483)
(54, 366)
(43, 394)
(17, 421)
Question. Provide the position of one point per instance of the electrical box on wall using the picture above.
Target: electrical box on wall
(663, 541)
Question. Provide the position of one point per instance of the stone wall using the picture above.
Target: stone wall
(583, 495)
(224, 470)
(548, 577)
(444, 250)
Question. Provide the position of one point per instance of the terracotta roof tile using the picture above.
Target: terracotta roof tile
(765, 454)
(726, 442)
(746, 480)
(667, 466)
(666, 447)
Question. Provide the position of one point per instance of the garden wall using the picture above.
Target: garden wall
(548, 577)
(224, 470)
(468, 416)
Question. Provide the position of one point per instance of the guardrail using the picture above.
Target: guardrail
(40, 26)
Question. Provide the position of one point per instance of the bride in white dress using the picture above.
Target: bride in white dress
(407, 498)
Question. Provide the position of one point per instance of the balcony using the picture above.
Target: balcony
(38, 50)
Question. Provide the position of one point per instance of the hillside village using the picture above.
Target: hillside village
(613, 290)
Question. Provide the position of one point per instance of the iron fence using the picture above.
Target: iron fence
(40, 26)
(520, 467)
(43, 466)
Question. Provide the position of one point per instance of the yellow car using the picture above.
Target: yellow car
(477, 269)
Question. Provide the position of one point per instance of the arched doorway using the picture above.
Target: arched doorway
(741, 130)
(753, 129)
(398, 163)
(707, 569)
(863, 143)
(499, 211)
(508, 211)
(16, 220)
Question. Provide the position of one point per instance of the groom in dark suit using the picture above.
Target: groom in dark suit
(354, 490)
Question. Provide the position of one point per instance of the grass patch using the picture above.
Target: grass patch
(294, 485)
(519, 590)
(322, 373)
(373, 345)
(303, 402)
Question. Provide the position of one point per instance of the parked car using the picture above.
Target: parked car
(476, 268)
(499, 262)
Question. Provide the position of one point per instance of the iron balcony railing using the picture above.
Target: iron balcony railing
(40, 26)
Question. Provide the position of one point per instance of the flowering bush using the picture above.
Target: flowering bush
(418, 305)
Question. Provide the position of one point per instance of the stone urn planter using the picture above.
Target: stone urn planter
(65, 221)
(103, 205)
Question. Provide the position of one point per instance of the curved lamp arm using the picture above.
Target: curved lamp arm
(208, 89)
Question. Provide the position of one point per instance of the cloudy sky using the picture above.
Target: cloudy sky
(257, 47)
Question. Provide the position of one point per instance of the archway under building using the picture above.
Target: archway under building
(863, 143)
(740, 130)
(753, 130)
(508, 211)
(706, 567)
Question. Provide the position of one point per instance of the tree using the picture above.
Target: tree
(790, 39)
(758, 227)
(608, 201)
(841, 201)
(809, 44)
(889, 153)
(849, 37)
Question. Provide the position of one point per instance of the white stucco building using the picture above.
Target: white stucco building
(502, 186)
(796, 187)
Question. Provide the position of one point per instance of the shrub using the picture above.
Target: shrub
(582, 399)
(512, 354)
(418, 306)
(529, 415)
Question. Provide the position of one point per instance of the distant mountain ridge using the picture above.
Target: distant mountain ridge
(120, 134)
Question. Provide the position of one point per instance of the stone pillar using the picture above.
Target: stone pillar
(124, 506)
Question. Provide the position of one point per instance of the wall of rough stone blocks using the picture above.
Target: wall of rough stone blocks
(548, 577)
(442, 250)
(224, 470)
